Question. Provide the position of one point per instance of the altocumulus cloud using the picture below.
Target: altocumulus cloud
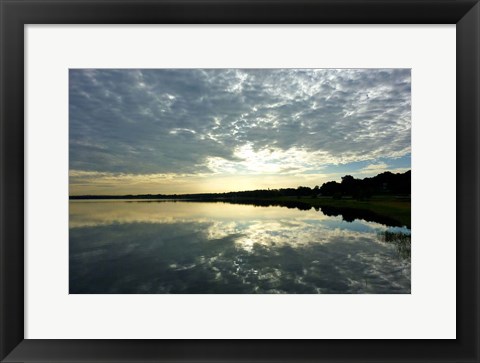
(204, 121)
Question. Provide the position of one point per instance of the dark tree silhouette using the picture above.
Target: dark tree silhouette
(385, 183)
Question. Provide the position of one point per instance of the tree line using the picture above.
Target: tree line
(386, 183)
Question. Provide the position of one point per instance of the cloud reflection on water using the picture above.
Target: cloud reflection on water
(119, 247)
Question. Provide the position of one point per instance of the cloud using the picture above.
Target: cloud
(197, 121)
(106, 183)
(374, 168)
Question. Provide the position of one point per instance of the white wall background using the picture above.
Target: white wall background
(429, 312)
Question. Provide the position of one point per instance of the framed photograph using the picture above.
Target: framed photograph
(240, 181)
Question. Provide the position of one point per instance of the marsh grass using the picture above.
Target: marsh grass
(396, 209)
(402, 242)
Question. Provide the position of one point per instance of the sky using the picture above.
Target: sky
(173, 131)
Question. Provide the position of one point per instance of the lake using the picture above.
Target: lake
(181, 247)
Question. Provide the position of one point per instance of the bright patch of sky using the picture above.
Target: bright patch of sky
(215, 130)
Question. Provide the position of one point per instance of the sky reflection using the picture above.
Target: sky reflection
(180, 247)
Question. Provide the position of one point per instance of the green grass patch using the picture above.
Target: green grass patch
(398, 209)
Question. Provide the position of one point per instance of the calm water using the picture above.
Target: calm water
(193, 247)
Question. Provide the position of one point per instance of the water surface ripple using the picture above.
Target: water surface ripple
(138, 247)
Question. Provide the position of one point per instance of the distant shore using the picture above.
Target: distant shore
(396, 209)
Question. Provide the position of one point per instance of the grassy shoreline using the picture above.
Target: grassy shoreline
(391, 207)
(383, 209)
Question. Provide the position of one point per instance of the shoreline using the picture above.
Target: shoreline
(391, 209)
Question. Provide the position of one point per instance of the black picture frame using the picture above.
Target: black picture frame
(15, 14)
